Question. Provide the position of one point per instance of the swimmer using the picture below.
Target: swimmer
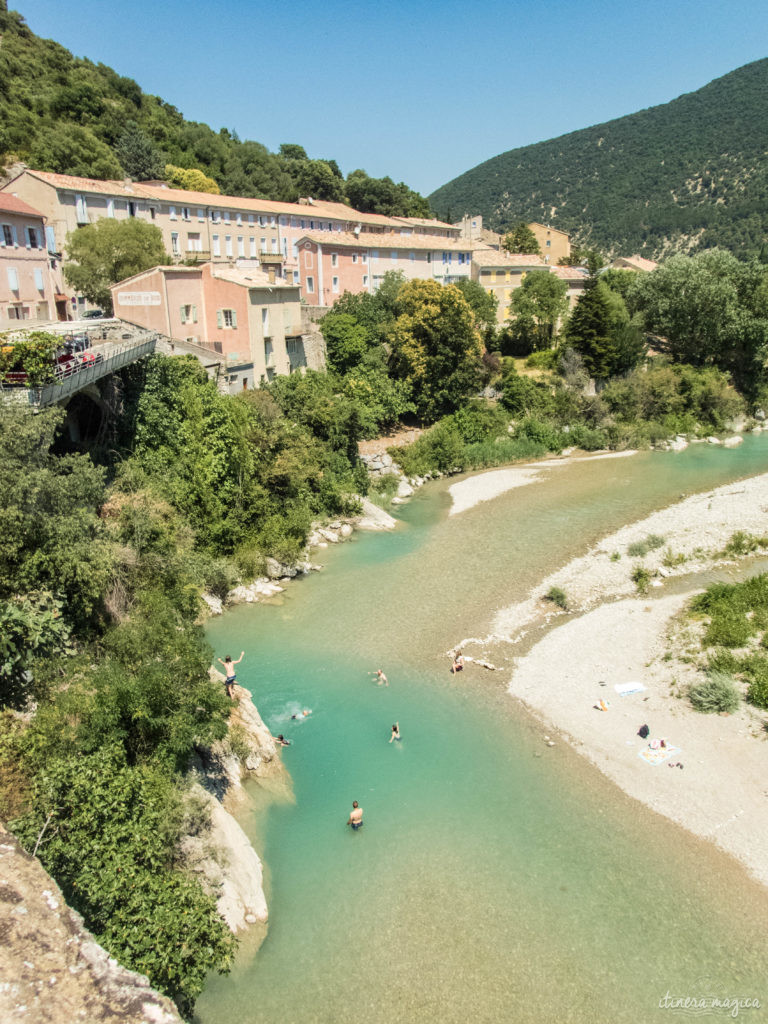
(229, 671)
(458, 662)
(355, 816)
(395, 732)
(301, 714)
(282, 741)
(381, 679)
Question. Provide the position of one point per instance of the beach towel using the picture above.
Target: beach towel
(658, 755)
(624, 689)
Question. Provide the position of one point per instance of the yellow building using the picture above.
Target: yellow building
(500, 272)
(555, 245)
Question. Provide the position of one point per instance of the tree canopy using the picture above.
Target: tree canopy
(101, 254)
(522, 239)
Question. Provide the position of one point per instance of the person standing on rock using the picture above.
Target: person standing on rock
(229, 673)
(355, 816)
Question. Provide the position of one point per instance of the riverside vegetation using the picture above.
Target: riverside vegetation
(104, 556)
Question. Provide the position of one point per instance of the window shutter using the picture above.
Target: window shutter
(13, 279)
(39, 280)
(234, 318)
(194, 314)
(219, 318)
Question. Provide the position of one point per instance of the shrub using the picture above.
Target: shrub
(716, 693)
(756, 671)
(542, 432)
(641, 577)
(558, 597)
(546, 359)
(671, 559)
(642, 547)
(728, 627)
(723, 661)
(615, 556)
(742, 543)
(587, 438)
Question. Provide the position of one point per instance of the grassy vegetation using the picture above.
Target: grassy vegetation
(643, 547)
(558, 597)
(716, 693)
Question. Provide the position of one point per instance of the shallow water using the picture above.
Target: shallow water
(495, 879)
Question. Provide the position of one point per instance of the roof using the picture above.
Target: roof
(571, 273)
(402, 243)
(12, 204)
(636, 263)
(500, 258)
(248, 278)
(548, 227)
(426, 222)
(70, 181)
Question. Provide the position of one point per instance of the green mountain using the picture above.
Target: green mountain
(65, 114)
(686, 175)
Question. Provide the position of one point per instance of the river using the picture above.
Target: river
(494, 879)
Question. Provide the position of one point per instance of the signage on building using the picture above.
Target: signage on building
(138, 298)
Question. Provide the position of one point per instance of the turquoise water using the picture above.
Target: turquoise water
(494, 879)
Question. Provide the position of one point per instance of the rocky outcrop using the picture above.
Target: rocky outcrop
(53, 969)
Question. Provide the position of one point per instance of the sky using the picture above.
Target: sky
(419, 91)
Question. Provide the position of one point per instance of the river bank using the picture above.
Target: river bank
(621, 638)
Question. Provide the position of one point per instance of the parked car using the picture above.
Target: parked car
(92, 314)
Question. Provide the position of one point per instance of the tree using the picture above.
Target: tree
(72, 149)
(435, 347)
(482, 303)
(522, 239)
(345, 339)
(191, 179)
(291, 151)
(540, 302)
(709, 309)
(588, 331)
(101, 254)
(316, 178)
(139, 156)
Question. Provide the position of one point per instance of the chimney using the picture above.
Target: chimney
(271, 274)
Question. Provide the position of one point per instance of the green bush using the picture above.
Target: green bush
(756, 671)
(541, 432)
(587, 438)
(501, 452)
(714, 694)
(640, 548)
(742, 543)
(641, 577)
(558, 597)
(546, 359)
(671, 559)
(723, 661)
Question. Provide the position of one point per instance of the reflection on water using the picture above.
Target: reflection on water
(495, 879)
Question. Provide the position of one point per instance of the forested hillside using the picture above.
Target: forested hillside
(65, 114)
(689, 174)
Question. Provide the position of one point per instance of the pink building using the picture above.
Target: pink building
(330, 264)
(249, 320)
(28, 289)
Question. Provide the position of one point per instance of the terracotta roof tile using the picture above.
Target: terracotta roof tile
(402, 243)
(503, 259)
(12, 204)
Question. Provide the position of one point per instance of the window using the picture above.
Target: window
(39, 280)
(175, 243)
(251, 218)
(110, 207)
(32, 238)
(81, 210)
(285, 248)
(274, 245)
(354, 257)
(263, 243)
(296, 277)
(283, 222)
(188, 314)
(310, 285)
(172, 212)
(549, 242)
(185, 213)
(216, 243)
(240, 245)
(307, 258)
(272, 220)
(461, 257)
(151, 213)
(132, 209)
(429, 257)
(412, 257)
(13, 279)
(215, 216)
(50, 237)
(226, 318)
(335, 284)
(194, 242)
(265, 322)
(334, 259)
(365, 259)
(295, 250)
(226, 216)
(365, 280)
(239, 220)
(227, 245)
(252, 244)
(263, 220)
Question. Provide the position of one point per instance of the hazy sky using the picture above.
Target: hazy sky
(417, 90)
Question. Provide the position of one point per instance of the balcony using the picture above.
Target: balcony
(192, 256)
(274, 258)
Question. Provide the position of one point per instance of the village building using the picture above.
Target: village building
(200, 227)
(637, 263)
(555, 245)
(479, 237)
(30, 288)
(250, 321)
(331, 264)
(501, 272)
(576, 278)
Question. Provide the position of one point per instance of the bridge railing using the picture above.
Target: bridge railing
(116, 356)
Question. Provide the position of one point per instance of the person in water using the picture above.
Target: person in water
(283, 741)
(395, 732)
(458, 662)
(229, 672)
(301, 714)
(381, 679)
(355, 816)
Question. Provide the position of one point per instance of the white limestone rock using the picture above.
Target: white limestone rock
(374, 518)
(733, 442)
(214, 603)
(404, 489)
